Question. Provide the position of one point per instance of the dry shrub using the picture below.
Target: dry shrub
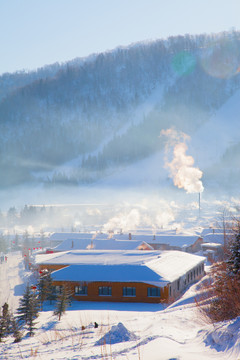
(220, 299)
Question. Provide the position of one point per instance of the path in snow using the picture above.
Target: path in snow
(12, 276)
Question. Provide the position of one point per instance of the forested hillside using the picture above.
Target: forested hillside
(107, 110)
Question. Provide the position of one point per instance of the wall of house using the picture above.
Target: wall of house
(196, 246)
(117, 292)
(163, 247)
(144, 247)
(177, 287)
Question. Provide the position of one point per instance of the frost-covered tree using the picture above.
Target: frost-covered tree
(6, 316)
(16, 330)
(5, 322)
(234, 258)
(8, 324)
(63, 300)
(2, 329)
(46, 290)
(224, 286)
(28, 309)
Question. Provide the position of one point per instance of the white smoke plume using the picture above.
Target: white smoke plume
(184, 174)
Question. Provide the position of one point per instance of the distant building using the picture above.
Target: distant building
(213, 251)
(187, 243)
(107, 244)
(164, 241)
(123, 276)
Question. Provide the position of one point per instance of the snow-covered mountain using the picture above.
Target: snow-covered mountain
(99, 119)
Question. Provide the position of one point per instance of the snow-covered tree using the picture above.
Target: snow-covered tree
(46, 289)
(63, 300)
(6, 317)
(234, 258)
(28, 309)
(16, 330)
(5, 322)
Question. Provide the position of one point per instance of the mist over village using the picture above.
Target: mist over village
(119, 186)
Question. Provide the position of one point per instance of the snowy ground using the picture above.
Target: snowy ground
(137, 331)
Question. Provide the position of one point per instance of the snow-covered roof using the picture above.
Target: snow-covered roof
(217, 237)
(212, 245)
(155, 267)
(172, 240)
(110, 273)
(175, 240)
(96, 244)
(209, 231)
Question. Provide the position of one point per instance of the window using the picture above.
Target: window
(188, 278)
(105, 291)
(129, 291)
(153, 292)
(178, 284)
(81, 290)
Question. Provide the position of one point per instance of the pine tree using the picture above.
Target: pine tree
(42, 290)
(16, 330)
(5, 322)
(46, 289)
(28, 309)
(6, 318)
(2, 329)
(233, 262)
(63, 300)
(51, 293)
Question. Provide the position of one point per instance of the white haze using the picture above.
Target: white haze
(145, 214)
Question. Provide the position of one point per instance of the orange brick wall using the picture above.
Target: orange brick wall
(117, 292)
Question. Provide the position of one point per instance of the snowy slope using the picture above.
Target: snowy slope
(210, 142)
(206, 146)
(138, 332)
(135, 116)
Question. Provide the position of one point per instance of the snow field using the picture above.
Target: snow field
(138, 331)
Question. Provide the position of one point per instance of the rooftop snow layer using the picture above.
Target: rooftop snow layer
(96, 244)
(217, 238)
(156, 267)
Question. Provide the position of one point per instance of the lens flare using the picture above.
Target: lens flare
(221, 60)
(183, 63)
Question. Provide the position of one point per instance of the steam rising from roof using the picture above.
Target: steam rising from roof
(155, 214)
(184, 174)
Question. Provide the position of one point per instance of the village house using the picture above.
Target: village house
(97, 244)
(187, 243)
(162, 241)
(168, 241)
(123, 276)
(213, 251)
(215, 243)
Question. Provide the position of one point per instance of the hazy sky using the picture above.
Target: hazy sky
(34, 33)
